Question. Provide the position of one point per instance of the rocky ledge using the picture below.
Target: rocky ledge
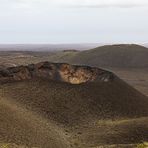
(56, 71)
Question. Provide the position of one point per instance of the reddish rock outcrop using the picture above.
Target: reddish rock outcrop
(56, 71)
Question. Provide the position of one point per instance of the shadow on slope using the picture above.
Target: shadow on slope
(70, 104)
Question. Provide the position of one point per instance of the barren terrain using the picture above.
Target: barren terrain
(58, 105)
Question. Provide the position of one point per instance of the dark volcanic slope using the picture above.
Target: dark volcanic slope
(37, 110)
(69, 104)
(120, 56)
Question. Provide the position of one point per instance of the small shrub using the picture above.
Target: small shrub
(4, 146)
(143, 145)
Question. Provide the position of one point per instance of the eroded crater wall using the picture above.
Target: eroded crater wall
(56, 71)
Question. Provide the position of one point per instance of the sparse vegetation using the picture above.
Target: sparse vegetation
(4, 145)
(143, 145)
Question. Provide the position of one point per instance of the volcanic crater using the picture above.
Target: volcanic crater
(62, 72)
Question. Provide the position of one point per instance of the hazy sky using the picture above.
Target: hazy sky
(73, 21)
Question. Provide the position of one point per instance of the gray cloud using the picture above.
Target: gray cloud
(106, 6)
(76, 3)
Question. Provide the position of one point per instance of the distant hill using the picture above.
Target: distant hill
(46, 47)
(119, 56)
(108, 56)
(39, 109)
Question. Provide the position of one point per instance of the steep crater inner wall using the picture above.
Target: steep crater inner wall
(56, 71)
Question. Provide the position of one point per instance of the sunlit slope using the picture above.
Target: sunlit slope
(23, 127)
